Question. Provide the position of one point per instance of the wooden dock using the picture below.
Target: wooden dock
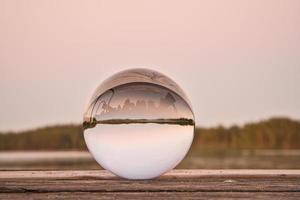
(177, 184)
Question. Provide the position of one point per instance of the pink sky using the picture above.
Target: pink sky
(238, 60)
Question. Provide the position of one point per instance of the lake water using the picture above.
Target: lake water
(70, 160)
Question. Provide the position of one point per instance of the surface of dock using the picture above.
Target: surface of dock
(177, 184)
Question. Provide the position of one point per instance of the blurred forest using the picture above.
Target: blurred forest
(275, 133)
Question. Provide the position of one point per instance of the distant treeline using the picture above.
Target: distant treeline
(275, 133)
(62, 137)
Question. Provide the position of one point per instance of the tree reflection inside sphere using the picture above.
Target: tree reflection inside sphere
(139, 124)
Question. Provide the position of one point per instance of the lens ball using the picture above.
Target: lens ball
(138, 124)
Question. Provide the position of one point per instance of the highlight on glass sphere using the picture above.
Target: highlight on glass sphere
(139, 124)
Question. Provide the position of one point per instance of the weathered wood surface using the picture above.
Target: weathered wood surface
(177, 184)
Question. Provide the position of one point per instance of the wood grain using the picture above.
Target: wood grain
(177, 184)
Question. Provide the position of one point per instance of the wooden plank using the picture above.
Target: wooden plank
(191, 173)
(151, 195)
(100, 184)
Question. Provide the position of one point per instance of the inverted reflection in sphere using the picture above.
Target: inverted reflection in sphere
(139, 124)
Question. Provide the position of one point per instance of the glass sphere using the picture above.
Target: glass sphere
(138, 124)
